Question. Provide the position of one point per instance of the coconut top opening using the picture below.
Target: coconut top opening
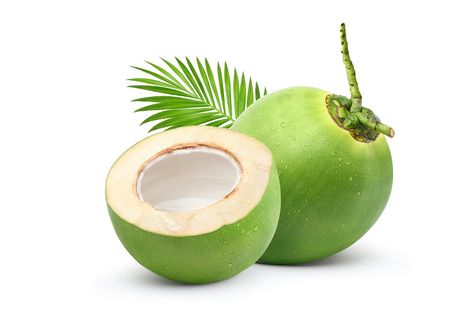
(188, 179)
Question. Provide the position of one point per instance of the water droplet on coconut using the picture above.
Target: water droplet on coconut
(358, 193)
(242, 231)
(350, 179)
(340, 159)
(293, 127)
(307, 218)
(283, 124)
(256, 228)
(293, 139)
(230, 264)
(278, 144)
(348, 163)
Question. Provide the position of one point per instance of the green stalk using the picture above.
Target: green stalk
(348, 113)
(375, 125)
(351, 74)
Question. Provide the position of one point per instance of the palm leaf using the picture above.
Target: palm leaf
(191, 94)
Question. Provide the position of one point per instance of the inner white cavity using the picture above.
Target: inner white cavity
(188, 179)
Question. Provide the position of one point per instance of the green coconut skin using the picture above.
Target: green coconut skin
(333, 187)
(209, 257)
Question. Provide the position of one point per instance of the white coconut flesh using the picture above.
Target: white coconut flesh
(189, 181)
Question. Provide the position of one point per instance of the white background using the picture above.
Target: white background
(65, 115)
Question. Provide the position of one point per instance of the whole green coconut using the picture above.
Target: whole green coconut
(334, 165)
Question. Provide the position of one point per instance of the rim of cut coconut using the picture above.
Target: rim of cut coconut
(251, 157)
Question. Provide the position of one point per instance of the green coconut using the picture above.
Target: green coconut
(334, 164)
(195, 204)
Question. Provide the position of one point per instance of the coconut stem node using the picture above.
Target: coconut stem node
(349, 113)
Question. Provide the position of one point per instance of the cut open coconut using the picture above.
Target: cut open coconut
(195, 204)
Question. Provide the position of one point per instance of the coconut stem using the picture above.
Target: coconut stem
(351, 74)
(348, 113)
(365, 120)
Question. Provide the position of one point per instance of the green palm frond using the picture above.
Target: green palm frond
(189, 94)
